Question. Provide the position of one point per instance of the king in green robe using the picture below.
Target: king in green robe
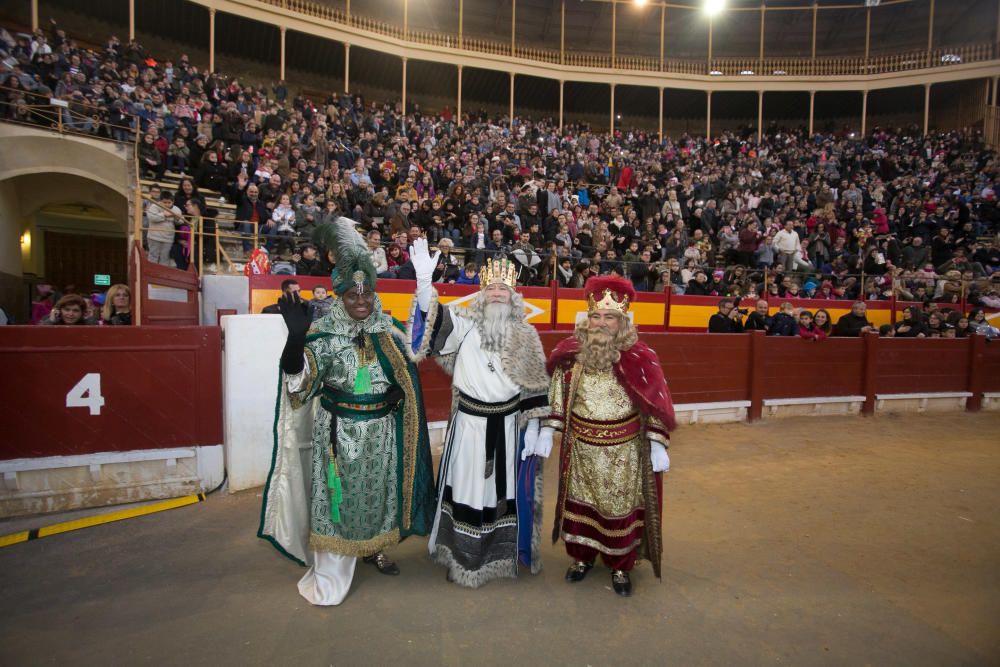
(351, 470)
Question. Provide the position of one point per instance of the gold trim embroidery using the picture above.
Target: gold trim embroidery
(411, 421)
(565, 447)
(362, 407)
(488, 408)
(296, 399)
(594, 544)
(593, 523)
(356, 548)
(605, 434)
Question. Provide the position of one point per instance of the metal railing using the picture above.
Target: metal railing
(749, 66)
(23, 107)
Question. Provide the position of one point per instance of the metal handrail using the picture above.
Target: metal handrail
(63, 119)
(743, 66)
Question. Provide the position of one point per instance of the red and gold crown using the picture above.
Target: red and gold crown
(498, 271)
(609, 293)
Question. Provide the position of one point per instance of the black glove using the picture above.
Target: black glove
(395, 396)
(295, 312)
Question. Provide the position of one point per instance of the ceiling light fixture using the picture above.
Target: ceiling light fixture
(714, 7)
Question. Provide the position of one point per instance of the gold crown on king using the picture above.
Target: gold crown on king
(608, 302)
(500, 270)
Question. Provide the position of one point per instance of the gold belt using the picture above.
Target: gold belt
(606, 432)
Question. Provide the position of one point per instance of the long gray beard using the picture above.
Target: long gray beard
(494, 326)
(597, 350)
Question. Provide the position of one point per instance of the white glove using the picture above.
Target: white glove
(543, 446)
(530, 438)
(658, 453)
(423, 266)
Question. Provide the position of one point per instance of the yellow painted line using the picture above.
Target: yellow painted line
(98, 519)
(13, 538)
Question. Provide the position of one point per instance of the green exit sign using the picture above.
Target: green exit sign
(102, 279)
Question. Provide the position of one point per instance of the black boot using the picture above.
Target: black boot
(621, 582)
(577, 571)
(382, 563)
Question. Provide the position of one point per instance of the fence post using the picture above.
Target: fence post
(977, 345)
(871, 342)
(668, 290)
(554, 307)
(756, 376)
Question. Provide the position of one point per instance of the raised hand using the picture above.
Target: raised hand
(423, 263)
(295, 312)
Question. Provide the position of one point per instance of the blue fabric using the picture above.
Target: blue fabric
(419, 326)
(526, 471)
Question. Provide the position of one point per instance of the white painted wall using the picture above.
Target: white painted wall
(252, 348)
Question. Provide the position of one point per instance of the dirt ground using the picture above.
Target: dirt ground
(810, 541)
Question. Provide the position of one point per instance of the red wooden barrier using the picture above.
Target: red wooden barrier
(909, 365)
(80, 390)
(166, 296)
(795, 367)
(709, 368)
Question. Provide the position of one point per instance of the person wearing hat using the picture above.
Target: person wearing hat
(489, 503)
(351, 466)
(611, 402)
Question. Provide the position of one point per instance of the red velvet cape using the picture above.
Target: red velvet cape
(639, 372)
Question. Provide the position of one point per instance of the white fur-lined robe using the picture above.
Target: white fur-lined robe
(479, 523)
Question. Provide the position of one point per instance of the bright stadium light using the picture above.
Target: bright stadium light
(640, 3)
(713, 7)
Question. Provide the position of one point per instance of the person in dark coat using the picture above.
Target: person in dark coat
(912, 325)
(308, 263)
(758, 320)
(727, 320)
(783, 323)
(854, 323)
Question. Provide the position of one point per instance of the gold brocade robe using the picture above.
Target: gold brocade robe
(608, 496)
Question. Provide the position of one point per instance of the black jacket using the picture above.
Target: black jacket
(757, 322)
(309, 267)
(851, 325)
(719, 323)
(783, 324)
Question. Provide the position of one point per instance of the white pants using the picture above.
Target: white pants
(328, 581)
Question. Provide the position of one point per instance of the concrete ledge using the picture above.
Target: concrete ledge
(817, 405)
(61, 483)
(991, 400)
(921, 402)
(718, 412)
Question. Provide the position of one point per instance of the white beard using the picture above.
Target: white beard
(494, 326)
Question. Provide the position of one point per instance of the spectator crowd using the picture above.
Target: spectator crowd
(828, 216)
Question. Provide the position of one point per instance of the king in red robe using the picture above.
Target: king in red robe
(610, 400)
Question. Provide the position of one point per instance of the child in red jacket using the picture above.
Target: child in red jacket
(808, 328)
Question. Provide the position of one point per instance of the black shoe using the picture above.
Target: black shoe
(382, 563)
(577, 571)
(621, 582)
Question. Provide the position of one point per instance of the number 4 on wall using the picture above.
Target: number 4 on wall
(86, 394)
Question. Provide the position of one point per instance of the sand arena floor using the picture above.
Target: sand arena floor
(811, 541)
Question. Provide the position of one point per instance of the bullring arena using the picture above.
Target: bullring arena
(168, 169)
